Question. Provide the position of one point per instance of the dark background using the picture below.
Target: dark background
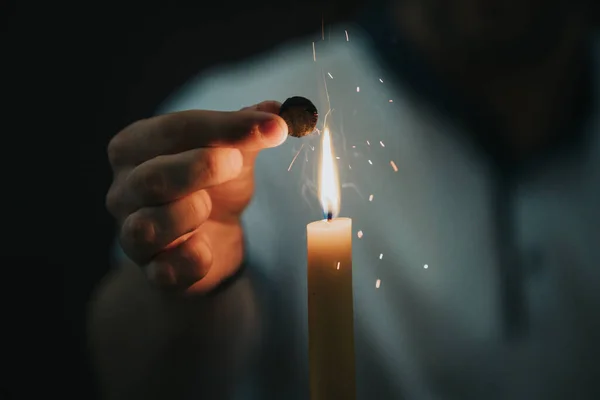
(73, 75)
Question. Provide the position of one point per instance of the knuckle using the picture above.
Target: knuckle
(167, 124)
(114, 150)
(163, 125)
(138, 231)
(181, 122)
(153, 183)
(112, 201)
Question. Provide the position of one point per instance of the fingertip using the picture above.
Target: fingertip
(199, 260)
(274, 131)
(182, 266)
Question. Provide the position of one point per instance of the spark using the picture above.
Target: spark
(380, 80)
(370, 162)
(393, 164)
(360, 234)
(371, 198)
(337, 157)
(425, 266)
(296, 156)
(347, 39)
(314, 53)
(368, 143)
(331, 76)
(353, 147)
(381, 256)
(391, 101)
(358, 89)
(378, 283)
(381, 143)
(328, 101)
(338, 265)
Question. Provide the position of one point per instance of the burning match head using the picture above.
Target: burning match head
(300, 115)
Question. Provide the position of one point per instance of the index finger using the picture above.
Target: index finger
(250, 129)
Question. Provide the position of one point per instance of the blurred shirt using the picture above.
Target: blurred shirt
(489, 273)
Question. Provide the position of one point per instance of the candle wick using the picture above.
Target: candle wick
(329, 216)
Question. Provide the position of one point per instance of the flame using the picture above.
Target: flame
(329, 188)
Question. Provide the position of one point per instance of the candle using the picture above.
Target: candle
(330, 308)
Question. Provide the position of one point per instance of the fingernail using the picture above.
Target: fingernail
(274, 130)
(162, 275)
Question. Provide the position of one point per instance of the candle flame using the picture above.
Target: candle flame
(329, 192)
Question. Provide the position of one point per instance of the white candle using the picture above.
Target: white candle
(330, 308)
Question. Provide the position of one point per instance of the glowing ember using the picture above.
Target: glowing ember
(359, 234)
(378, 283)
(296, 156)
(393, 164)
(338, 265)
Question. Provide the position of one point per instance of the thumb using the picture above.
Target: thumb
(273, 129)
(269, 106)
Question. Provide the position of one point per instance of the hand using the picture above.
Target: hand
(181, 182)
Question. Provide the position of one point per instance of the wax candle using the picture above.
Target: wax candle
(330, 300)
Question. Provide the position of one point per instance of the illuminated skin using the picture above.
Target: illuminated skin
(181, 183)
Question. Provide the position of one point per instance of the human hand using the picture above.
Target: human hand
(181, 182)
